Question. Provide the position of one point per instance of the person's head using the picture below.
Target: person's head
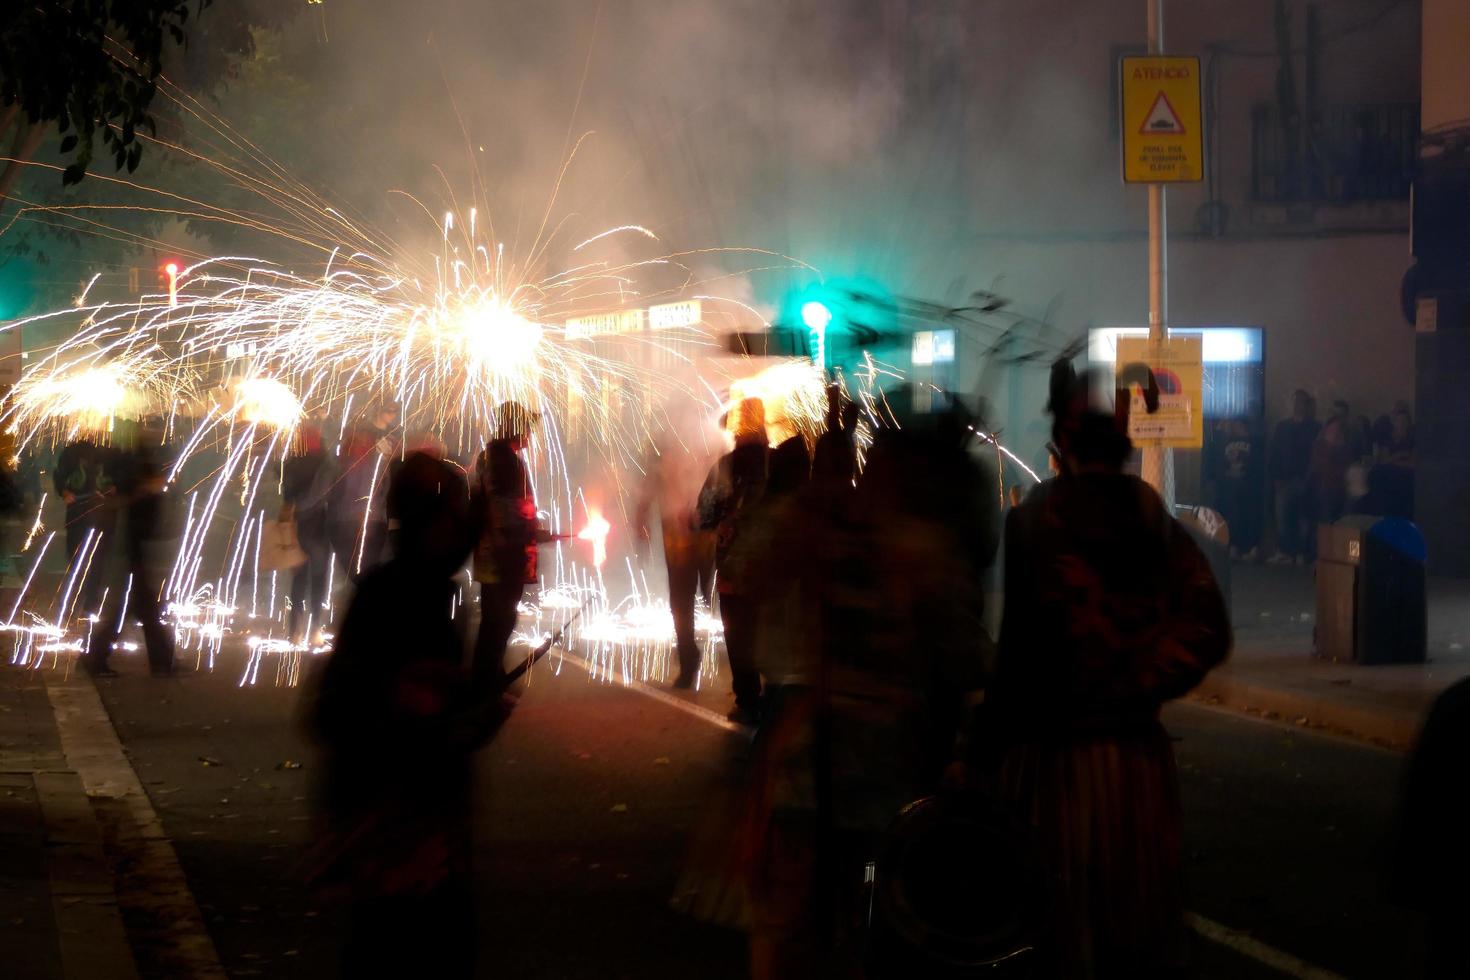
(1333, 432)
(1403, 424)
(1086, 437)
(748, 423)
(1341, 410)
(1301, 405)
(514, 423)
(790, 466)
(430, 500)
(1382, 430)
(385, 416)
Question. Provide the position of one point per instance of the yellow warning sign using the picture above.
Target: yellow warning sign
(1178, 366)
(1160, 105)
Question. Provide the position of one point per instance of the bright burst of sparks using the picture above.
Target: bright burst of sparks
(267, 402)
(241, 354)
(89, 396)
(794, 395)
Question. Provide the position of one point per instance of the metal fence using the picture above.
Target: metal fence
(1349, 153)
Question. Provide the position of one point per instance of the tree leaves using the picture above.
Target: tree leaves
(90, 65)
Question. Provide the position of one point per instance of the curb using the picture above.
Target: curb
(157, 883)
(1386, 729)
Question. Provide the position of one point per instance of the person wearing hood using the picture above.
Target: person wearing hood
(505, 550)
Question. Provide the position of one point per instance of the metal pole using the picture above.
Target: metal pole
(1157, 461)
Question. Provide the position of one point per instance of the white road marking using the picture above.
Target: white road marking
(1247, 945)
(672, 700)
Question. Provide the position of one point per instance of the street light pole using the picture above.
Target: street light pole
(1157, 461)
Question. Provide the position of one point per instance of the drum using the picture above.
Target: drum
(957, 891)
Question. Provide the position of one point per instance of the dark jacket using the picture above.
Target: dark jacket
(506, 510)
(1291, 449)
(1111, 610)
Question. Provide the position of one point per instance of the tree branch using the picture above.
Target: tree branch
(27, 141)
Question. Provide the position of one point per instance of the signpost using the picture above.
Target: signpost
(1162, 140)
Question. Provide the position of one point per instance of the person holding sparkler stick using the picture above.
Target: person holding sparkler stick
(505, 550)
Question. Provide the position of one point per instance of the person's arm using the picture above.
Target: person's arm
(1191, 639)
(714, 496)
(1276, 453)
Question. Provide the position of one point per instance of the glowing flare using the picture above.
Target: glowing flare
(596, 531)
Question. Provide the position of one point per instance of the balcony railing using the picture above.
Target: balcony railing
(1349, 154)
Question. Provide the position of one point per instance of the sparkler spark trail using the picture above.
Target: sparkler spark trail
(242, 355)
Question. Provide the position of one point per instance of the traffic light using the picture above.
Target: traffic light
(842, 317)
(168, 280)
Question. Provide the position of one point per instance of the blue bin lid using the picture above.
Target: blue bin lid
(1400, 535)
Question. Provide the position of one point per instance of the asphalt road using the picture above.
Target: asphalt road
(586, 802)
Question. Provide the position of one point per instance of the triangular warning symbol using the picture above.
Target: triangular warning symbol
(1162, 120)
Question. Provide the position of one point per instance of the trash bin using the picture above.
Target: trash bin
(1372, 601)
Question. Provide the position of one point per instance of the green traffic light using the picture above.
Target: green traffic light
(816, 315)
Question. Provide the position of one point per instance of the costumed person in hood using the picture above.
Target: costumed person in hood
(505, 552)
(1110, 611)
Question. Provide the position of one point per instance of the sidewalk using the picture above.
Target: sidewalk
(1274, 672)
(59, 915)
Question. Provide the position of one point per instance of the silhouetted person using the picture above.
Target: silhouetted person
(505, 552)
(734, 484)
(870, 640)
(83, 482)
(835, 456)
(1289, 466)
(306, 484)
(1431, 862)
(675, 468)
(1239, 487)
(1111, 610)
(356, 511)
(134, 586)
(1327, 477)
(397, 721)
